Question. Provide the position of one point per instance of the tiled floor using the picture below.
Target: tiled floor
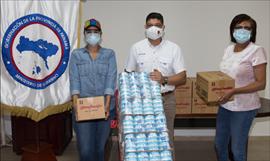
(187, 149)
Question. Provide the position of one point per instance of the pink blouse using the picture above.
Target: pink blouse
(239, 65)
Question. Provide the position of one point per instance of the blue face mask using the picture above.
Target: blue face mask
(93, 39)
(241, 35)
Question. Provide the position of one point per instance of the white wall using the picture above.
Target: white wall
(200, 28)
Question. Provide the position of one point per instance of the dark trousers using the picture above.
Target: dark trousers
(91, 138)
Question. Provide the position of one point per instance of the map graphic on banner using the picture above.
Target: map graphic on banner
(40, 47)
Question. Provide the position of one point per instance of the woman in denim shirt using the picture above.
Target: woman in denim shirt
(93, 72)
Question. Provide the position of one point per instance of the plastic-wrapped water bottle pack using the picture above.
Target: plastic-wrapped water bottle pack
(165, 155)
(143, 122)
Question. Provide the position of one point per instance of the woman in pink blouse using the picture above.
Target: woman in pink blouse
(246, 62)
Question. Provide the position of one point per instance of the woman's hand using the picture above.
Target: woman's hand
(107, 111)
(107, 106)
(74, 101)
(226, 97)
(74, 104)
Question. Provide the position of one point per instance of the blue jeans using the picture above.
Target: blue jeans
(91, 138)
(233, 126)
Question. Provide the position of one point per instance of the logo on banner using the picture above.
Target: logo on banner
(35, 50)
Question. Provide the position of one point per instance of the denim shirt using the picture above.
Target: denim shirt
(90, 77)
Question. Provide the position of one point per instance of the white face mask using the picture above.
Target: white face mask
(154, 32)
(93, 39)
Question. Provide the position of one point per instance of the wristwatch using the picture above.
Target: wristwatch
(165, 81)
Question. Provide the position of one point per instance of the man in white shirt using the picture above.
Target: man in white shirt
(163, 60)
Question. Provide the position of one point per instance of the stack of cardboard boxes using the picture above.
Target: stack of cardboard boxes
(183, 96)
(200, 95)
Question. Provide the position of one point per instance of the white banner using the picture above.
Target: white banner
(37, 38)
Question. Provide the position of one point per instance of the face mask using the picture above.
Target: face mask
(241, 35)
(154, 32)
(93, 39)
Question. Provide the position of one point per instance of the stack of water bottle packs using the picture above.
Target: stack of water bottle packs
(144, 132)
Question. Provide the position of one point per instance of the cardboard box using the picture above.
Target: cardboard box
(199, 106)
(183, 106)
(211, 85)
(193, 90)
(90, 108)
(184, 90)
(183, 95)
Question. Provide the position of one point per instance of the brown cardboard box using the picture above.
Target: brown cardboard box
(193, 79)
(183, 106)
(183, 95)
(90, 108)
(200, 106)
(184, 90)
(211, 85)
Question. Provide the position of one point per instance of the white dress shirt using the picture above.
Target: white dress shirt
(165, 57)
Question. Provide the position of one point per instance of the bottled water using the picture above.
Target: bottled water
(144, 123)
(152, 137)
(164, 136)
(129, 137)
(152, 140)
(164, 145)
(130, 142)
(131, 157)
(137, 107)
(154, 156)
(133, 78)
(125, 94)
(158, 106)
(142, 156)
(124, 85)
(143, 77)
(135, 91)
(139, 123)
(153, 146)
(149, 123)
(156, 90)
(141, 142)
(147, 106)
(126, 106)
(166, 155)
(130, 146)
(161, 122)
(123, 78)
(128, 124)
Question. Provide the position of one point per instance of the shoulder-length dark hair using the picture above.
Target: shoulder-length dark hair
(240, 18)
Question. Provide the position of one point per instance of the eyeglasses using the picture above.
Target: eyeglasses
(92, 31)
(157, 25)
(243, 27)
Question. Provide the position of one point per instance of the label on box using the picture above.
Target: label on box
(183, 106)
(90, 108)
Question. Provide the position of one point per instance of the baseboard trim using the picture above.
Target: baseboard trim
(209, 138)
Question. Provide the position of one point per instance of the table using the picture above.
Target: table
(209, 120)
(55, 130)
